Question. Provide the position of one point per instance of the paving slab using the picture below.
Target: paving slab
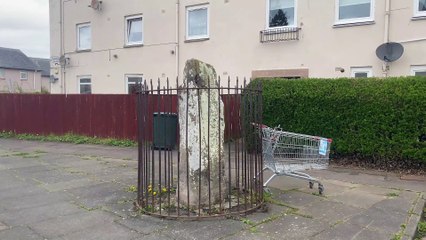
(203, 230)
(34, 200)
(292, 227)
(73, 223)
(145, 225)
(36, 214)
(104, 231)
(20, 233)
(329, 211)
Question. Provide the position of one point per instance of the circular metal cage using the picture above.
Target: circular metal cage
(200, 151)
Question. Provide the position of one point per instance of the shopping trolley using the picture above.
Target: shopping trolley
(287, 154)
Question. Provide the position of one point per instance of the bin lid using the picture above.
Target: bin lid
(165, 113)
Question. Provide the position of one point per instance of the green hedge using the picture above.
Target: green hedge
(377, 121)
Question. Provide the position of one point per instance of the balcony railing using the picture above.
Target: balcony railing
(279, 34)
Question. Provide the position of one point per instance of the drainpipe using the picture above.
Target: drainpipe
(177, 53)
(385, 66)
(34, 80)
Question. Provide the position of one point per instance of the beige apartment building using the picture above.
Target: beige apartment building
(105, 46)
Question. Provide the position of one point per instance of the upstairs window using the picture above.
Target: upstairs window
(354, 11)
(84, 36)
(281, 13)
(24, 76)
(419, 8)
(2, 73)
(85, 85)
(134, 28)
(197, 22)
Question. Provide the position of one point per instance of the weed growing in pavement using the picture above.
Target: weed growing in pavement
(392, 194)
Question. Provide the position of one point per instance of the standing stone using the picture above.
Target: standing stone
(201, 124)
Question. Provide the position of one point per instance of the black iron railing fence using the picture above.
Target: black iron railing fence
(229, 180)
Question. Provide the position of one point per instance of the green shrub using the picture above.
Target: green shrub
(379, 121)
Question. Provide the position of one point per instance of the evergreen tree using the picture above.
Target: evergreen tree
(280, 19)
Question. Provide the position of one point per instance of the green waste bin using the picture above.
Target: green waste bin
(165, 127)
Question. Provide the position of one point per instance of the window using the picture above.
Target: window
(281, 13)
(131, 83)
(2, 73)
(418, 70)
(134, 30)
(361, 72)
(354, 11)
(85, 85)
(197, 22)
(24, 75)
(84, 36)
(419, 8)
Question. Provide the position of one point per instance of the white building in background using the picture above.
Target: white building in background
(108, 46)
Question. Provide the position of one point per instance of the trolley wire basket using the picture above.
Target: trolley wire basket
(287, 154)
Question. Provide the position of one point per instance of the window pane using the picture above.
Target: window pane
(197, 22)
(86, 89)
(354, 9)
(134, 79)
(420, 73)
(85, 80)
(134, 30)
(361, 75)
(281, 13)
(422, 5)
(2, 74)
(85, 38)
(132, 88)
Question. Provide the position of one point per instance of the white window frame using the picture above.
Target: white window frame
(197, 7)
(126, 22)
(23, 75)
(81, 25)
(354, 20)
(368, 70)
(288, 26)
(127, 76)
(419, 68)
(79, 83)
(418, 13)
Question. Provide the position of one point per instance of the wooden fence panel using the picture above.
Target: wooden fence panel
(107, 116)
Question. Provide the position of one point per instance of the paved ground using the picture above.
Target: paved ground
(64, 191)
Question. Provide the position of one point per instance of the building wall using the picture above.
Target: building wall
(233, 47)
(12, 82)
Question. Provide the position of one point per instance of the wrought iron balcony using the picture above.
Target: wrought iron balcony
(279, 34)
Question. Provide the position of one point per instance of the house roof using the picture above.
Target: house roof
(15, 59)
(43, 65)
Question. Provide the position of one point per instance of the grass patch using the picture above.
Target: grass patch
(70, 138)
(421, 226)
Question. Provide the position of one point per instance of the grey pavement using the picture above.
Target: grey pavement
(66, 191)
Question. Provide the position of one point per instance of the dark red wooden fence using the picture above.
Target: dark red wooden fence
(106, 116)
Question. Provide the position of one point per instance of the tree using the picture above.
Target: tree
(280, 19)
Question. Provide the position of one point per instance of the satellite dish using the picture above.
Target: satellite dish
(390, 52)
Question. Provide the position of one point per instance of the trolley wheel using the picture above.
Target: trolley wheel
(311, 185)
(267, 190)
(320, 189)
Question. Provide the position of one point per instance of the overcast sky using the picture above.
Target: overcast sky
(24, 24)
